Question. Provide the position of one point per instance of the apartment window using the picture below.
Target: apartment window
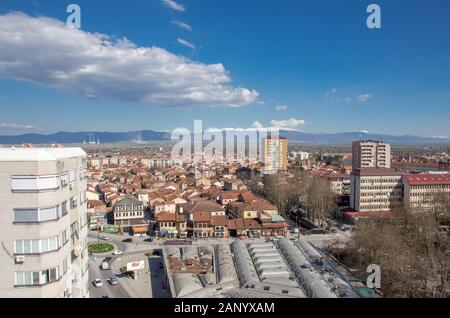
(27, 278)
(72, 176)
(64, 209)
(26, 215)
(35, 215)
(48, 214)
(36, 246)
(34, 183)
(37, 278)
(64, 237)
(64, 179)
(65, 266)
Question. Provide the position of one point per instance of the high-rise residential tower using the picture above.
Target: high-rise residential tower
(371, 154)
(275, 153)
(43, 223)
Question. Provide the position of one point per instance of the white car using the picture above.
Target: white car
(98, 283)
(118, 252)
(104, 237)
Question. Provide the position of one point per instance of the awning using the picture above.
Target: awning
(142, 229)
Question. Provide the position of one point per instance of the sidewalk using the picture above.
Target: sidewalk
(140, 288)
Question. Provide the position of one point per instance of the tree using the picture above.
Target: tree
(411, 250)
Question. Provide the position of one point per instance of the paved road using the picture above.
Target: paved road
(107, 289)
(137, 247)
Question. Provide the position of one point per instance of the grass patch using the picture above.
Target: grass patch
(100, 248)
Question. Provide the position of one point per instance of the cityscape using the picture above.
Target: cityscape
(103, 195)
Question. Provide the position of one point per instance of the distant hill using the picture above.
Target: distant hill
(79, 137)
(143, 136)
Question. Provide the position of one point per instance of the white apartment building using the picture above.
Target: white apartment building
(43, 224)
(422, 191)
(371, 154)
(376, 190)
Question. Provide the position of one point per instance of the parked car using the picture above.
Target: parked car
(118, 252)
(149, 240)
(98, 283)
(114, 280)
(128, 240)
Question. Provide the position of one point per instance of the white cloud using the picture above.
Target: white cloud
(15, 126)
(182, 25)
(186, 43)
(363, 97)
(288, 124)
(174, 5)
(333, 91)
(45, 51)
(280, 108)
(257, 124)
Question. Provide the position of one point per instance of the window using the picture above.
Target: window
(65, 265)
(64, 237)
(36, 246)
(48, 214)
(35, 215)
(26, 215)
(64, 209)
(34, 183)
(37, 278)
(64, 179)
(27, 278)
(72, 176)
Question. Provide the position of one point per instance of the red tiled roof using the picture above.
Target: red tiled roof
(248, 197)
(427, 179)
(170, 217)
(219, 220)
(375, 172)
(201, 216)
(368, 215)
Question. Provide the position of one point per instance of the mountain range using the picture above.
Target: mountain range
(144, 136)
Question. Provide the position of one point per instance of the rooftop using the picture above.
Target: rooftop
(39, 154)
(427, 179)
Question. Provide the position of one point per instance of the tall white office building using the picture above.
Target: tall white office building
(43, 223)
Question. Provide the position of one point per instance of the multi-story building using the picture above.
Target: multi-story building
(371, 154)
(375, 190)
(128, 213)
(44, 226)
(422, 191)
(275, 154)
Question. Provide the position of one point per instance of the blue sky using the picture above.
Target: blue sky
(316, 60)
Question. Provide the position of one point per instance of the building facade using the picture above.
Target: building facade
(422, 191)
(371, 154)
(376, 190)
(129, 212)
(44, 226)
(275, 154)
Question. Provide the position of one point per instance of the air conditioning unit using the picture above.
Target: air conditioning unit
(20, 259)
